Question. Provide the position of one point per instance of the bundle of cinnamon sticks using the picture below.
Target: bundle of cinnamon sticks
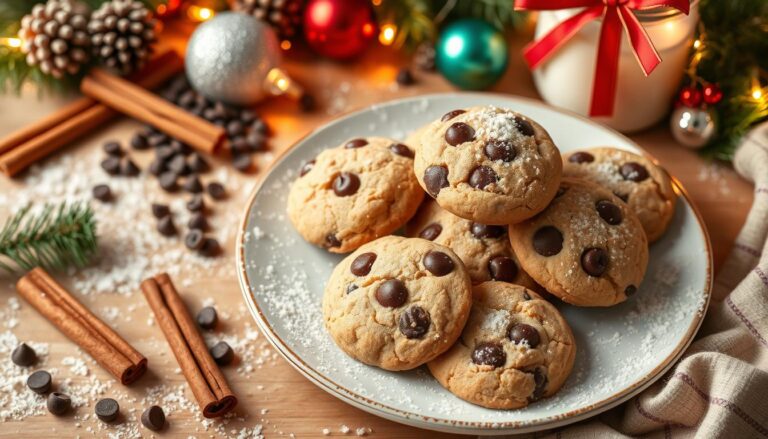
(34, 142)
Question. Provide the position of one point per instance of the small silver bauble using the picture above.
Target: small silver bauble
(229, 56)
(692, 127)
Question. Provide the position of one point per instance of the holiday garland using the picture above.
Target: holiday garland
(728, 68)
(55, 237)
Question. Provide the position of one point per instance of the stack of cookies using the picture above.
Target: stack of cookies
(507, 224)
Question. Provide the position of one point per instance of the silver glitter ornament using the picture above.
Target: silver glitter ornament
(229, 57)
(692, 127)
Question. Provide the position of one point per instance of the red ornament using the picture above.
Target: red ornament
(690, 96)
(712, 94)
(339, 29)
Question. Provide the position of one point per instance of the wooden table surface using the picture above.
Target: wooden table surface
(274, 395)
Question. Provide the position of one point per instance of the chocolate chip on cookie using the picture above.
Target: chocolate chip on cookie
(485, 231)
(481, 177)
(609, 212)
(355, 143)
(451, 114)
(400, 149)
(306, 167)
(499, 150)
(346, 184)
(362, 264)
(594, 261)
(459, 133)
(414, 322)
(522, 333)
(633, 171)
(436, 178)
(502, 268)
(431, 232)
(581, 157)
(489, 354)
(392, 293)
(548, 241)
(438, 263)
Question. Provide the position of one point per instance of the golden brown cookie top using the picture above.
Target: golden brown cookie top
(488, 164)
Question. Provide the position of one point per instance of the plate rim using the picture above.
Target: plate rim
(487, 427)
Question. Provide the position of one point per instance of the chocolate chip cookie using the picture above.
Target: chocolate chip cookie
(484, 249)
(397, 302)
(355, 193)
(587, 248)
(488, 165)
(640, 182)
(516, 348)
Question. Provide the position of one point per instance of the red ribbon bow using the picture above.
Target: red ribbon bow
(616, 14)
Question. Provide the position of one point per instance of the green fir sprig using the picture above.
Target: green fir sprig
(56, 237)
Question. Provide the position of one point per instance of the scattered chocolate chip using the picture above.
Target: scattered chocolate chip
(207, 318)
(139, 142)
(633, 171)
(193, 184)
(157, 139)
(178, 164)
(435, 178)
(58, 403)
(438, 263)
(222, 354)
(351, 287)
(548, 241)
(414, 322)
(160, 210)
(196, 203)
(524, 127)
(157, 167)
(235, 128)
(153, 418)
(502, 268)
(242, 162)
(522, 333)
(355, 143)
(405, 77)
(198, 221)
(211, 248)
(129, 169)
(500, 150)
(400, 149)
(197, 163)
(630, 290)
(111, 165)
(307, 103)
(102, 192)
(481, 177)
(346, 184)
(107, 409)
(194, 239)
(489, 354)
(259, 126)
(392, 293)
(216, 190)
(23, 355)
(362, 264)
(451, 114)
(165, 153)
(540, 384)
(180, 148)
(39, 381)
(594, 261)
(459, 133)
(113, 149)
(332, 241)
(256, 141)
(168, 181)
(581, 157)
(609, 212)
(165, 226)
(431, 232)
(306, 167)
(480, 231)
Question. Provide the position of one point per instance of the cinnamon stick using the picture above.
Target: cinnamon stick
(203, 375)
(143, 105)
(73, 319)
(32, 143)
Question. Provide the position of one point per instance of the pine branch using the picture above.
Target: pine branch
(54, 238)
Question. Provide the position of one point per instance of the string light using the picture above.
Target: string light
(285, 45)
(387, 34)
(279, 83)
(376, 2)
(199, 13)
(14, 43)
(757, 94)
(697, 44)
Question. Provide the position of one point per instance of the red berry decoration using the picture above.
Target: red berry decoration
(339, 29)
(712, 94)
(690, 96)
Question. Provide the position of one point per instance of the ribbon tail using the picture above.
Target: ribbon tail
(644, 51)
(549, 5)
(681, 5)
(607, 65)
(538, 51)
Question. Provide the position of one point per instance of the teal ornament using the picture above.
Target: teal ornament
(471, 54)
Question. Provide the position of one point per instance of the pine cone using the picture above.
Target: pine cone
(122, 34)
(284, 16)
(55, 37)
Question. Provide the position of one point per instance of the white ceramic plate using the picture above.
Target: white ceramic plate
(621, 350)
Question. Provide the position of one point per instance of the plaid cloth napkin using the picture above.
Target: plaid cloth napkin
(719, 389)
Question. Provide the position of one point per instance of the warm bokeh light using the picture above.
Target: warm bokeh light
(11, 42)
(285, 45)
(697, 44)
(387, 34)
(757, 94)
(199, 13)
(279, 83)
(368, 29)
(376, 2)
